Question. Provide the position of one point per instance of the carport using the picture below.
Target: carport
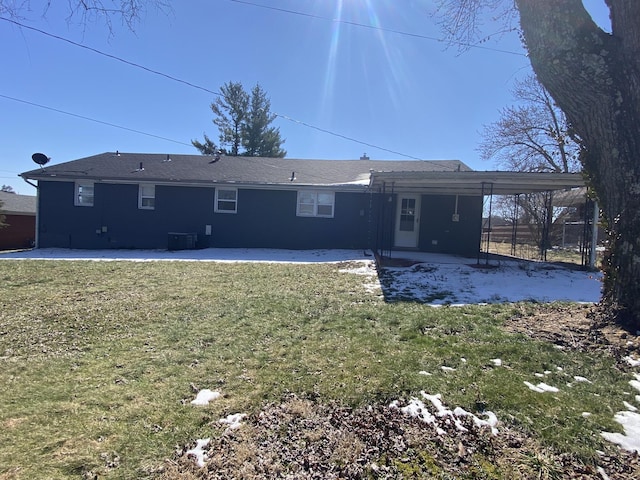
(486, 185)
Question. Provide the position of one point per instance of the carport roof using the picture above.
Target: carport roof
(474, 183)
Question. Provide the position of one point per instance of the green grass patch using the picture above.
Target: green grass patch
(97, 360)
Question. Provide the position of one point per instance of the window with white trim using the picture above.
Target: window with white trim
(226, 200)
(83, 196)
(146, 197)
(315, 204)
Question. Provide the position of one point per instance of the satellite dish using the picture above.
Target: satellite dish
(40, 158)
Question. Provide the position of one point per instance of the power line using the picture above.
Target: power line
(345, 137)
(108, 55)
(171, 77)
(94, 120)
(373, 27)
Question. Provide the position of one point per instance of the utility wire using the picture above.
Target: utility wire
(345, 137)
(94, 120)
(108, 55)
(170, 77)
(373, 27)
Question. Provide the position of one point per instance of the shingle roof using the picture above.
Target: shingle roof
(14, 204)
(201, 169)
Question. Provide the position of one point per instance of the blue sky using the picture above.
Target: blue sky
(407, 94)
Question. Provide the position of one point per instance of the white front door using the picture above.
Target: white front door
(407, 221)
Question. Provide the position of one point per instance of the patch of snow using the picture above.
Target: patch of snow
(367, 269)
(198, 451)
(491, 421)
(630, 421)
(629, 407)
(630, 439)
(234, 420)
(497, 362)
(422, 372)
(581, 379)
(416, 408)
(541, 387)
(632, 361)
(205, 396)
(586, 414)
(447, 369)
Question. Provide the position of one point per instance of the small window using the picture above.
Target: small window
(83, 194)
(147, 197)
(226, 200)
(315, 204)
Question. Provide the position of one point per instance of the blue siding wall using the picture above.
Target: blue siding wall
(439, 233)
(265, 218)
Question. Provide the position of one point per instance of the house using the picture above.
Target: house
(20, 219)
(133, 200)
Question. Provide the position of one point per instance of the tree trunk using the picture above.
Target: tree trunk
(594, 77)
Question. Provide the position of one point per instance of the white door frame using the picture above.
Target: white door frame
(407, 225)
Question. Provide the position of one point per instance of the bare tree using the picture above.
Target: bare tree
(532, 136)
(128, 12)
(594, 77)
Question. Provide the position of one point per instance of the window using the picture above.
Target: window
(83, 194)
(147, 197)
(407, 215)
(315, 204)
(226, 200)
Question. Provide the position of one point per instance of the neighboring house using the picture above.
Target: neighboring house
(20, 220)
(130, 200)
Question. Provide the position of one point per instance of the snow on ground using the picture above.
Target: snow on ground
(234, 420)
(205, 396)
(440, 280)
(630, 421)
(417, 408)
(198, 453)
(541, 387)
(263, 255)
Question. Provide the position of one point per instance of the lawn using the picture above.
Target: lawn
(100, 361)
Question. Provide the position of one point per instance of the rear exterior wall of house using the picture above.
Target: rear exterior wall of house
(261, 218)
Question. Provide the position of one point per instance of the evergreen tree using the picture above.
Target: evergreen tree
(259, 139)
(230, 109)
(243, 120)
(207, 147)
